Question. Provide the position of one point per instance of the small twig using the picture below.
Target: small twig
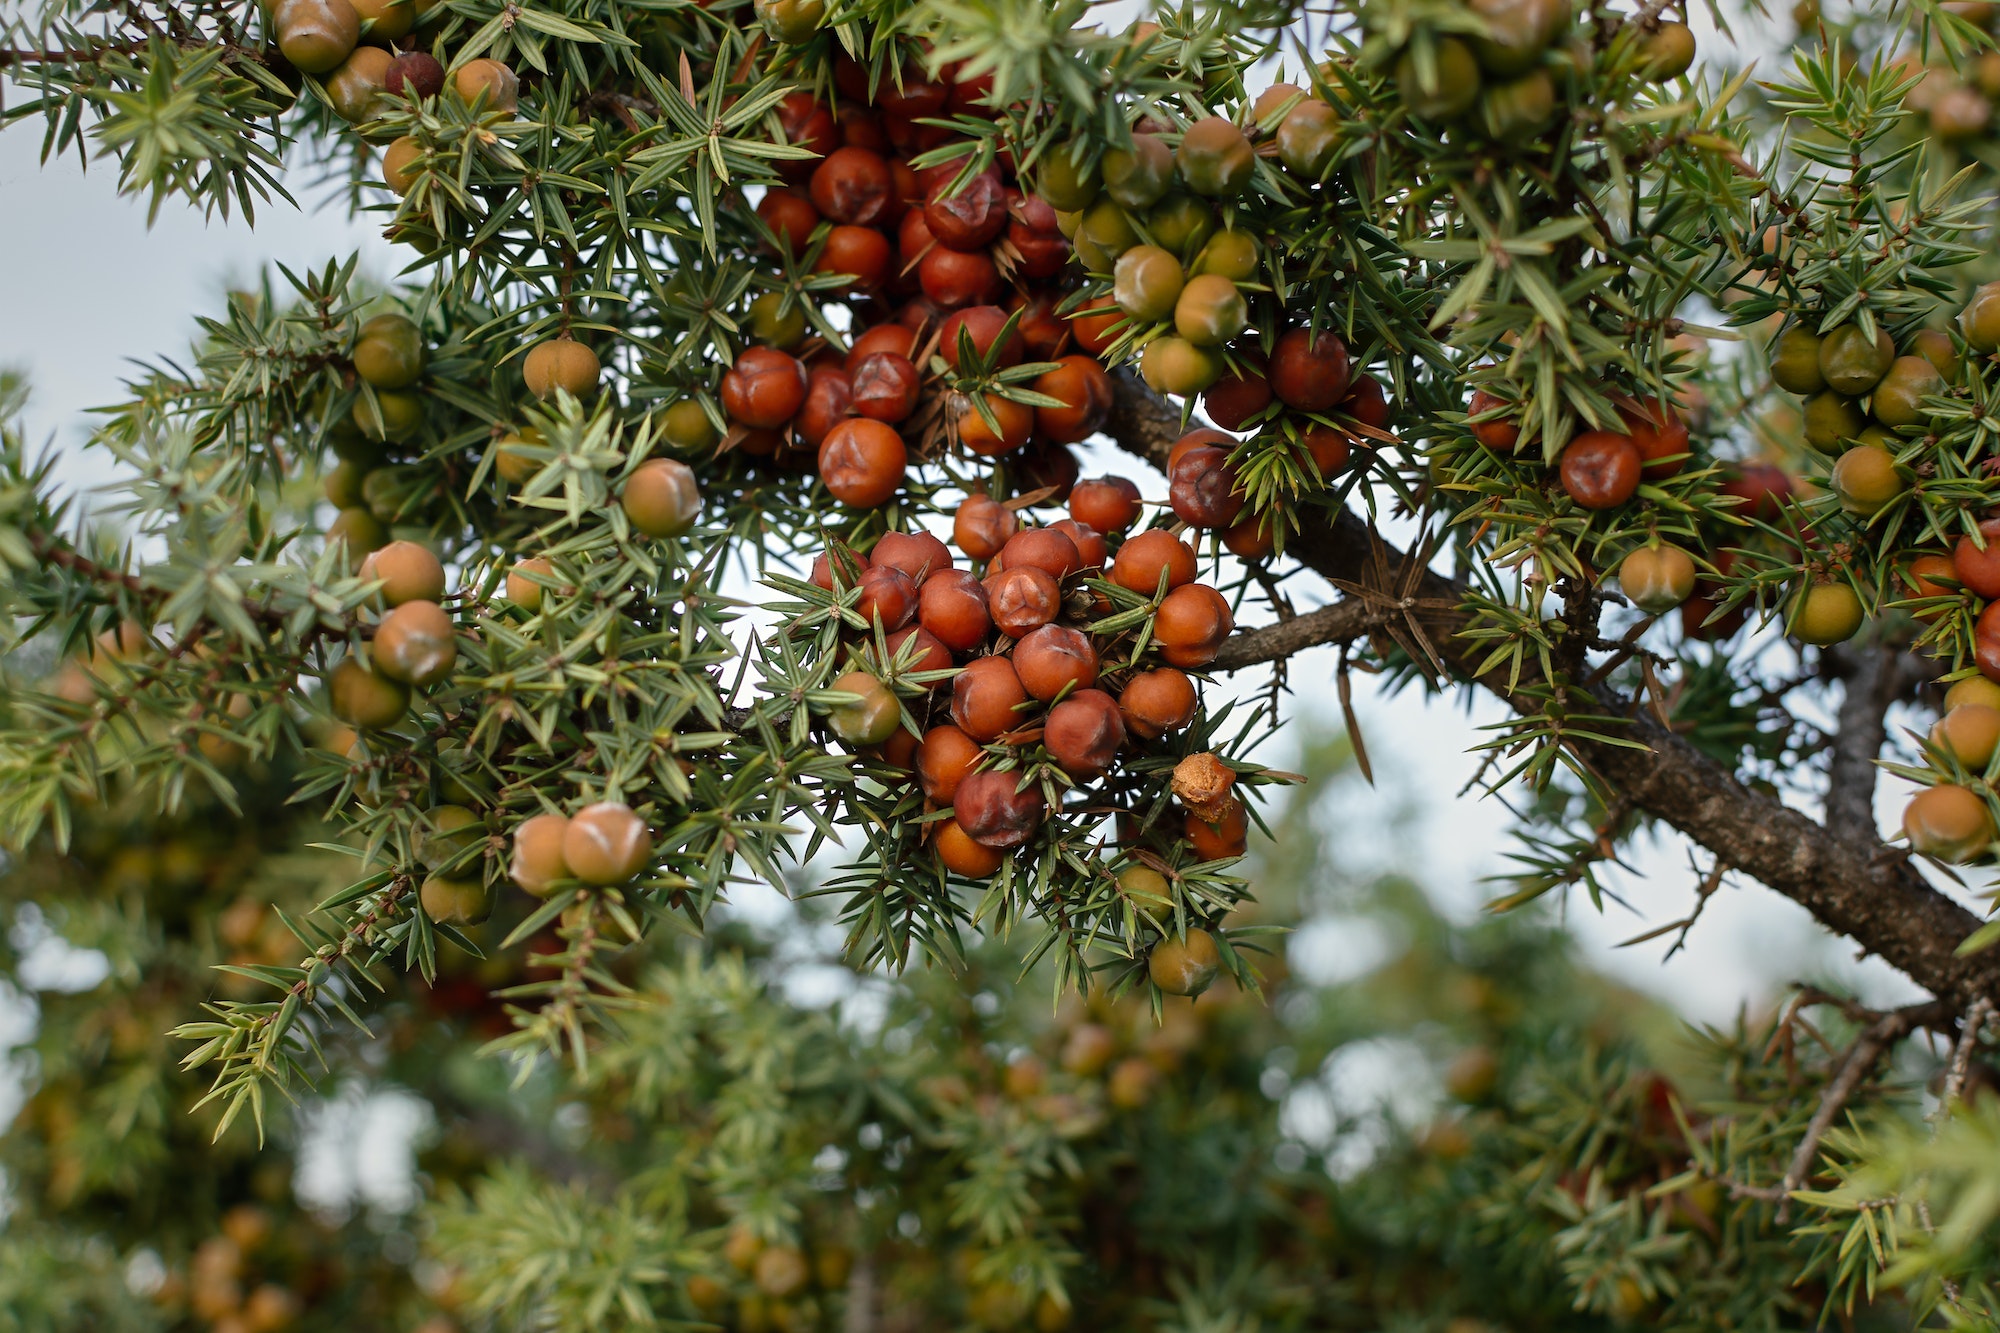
(1976, 1018)
(1855, 1067)
(1339, 623)
(1703, 892)
(1954, 1086)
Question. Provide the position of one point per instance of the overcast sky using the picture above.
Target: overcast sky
(91, 288)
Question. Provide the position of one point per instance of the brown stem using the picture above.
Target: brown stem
(52, 550)
(1855, 1067)
(1342, 622)
(1976, 1018)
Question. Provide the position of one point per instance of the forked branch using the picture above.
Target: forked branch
(1852, 886)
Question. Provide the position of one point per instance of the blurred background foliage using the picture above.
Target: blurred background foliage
(1424, 1123)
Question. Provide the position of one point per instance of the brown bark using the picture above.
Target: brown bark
(1342, 622)
(1848, 880)
(1874, 678)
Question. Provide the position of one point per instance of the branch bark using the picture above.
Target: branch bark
(1874, 679)
(1853, 886)
(1343, 622)
(1875, 1041)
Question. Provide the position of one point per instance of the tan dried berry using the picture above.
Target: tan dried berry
(455, 902)
(1185, 967)
(538, 864)
(365, 698)
(606, 843)
(661, 498)
(416, 644)
(399, 162)
(522, 589)
(408, 571)
(561, 363)
(490, 78)
(1203, 783)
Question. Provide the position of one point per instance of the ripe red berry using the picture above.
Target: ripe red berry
(1979, 570)
(1222, 838)
(1234, 399)
(1600, 469)
(954, 278)
(1016, 422)
(849, 564)
(982, 526)
(805, 122)
(944, 759)
(1083, 734)
(1202, 487)
(913, 238)
(952, 605)
(1144, 556)
(1108, 504)
(1047, 466)
(1191, 624)
(1091, 551)
(917, 554)
(1043, 332)
(1328, 448)
(829, 399)
(862, 253)
(1660, 433)
(982, 324)
(1196, 439)
(1085, 390)
(1367, 402)
(889, 337)
(414, 74)
(1253, 538)
(1046, 549)
(909, 95)
(928, 655)
(1054, 658)
(888, 596)
(886, 386)
(962, 856)
(1022, 599)
(1763, 487)
(995, 812)
(861, 128)
(1044, 251)
(862, 462)
(853, 186)
(765, 388)
(1308, 372)
(790, 216)
(1156, 702)
(971, 217)
(985, 697)
(1503, 434)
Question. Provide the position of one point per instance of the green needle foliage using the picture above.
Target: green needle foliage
(601, 556)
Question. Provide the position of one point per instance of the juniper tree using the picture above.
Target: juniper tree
(1543, 363)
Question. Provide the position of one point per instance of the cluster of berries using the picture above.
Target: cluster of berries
(931, 261)
(1027, 671)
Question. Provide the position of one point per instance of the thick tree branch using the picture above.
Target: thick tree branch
(1852, 886)
(1874, 679)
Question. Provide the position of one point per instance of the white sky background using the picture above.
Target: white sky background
(89, 288)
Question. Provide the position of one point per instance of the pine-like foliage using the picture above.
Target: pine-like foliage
(699, 509)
